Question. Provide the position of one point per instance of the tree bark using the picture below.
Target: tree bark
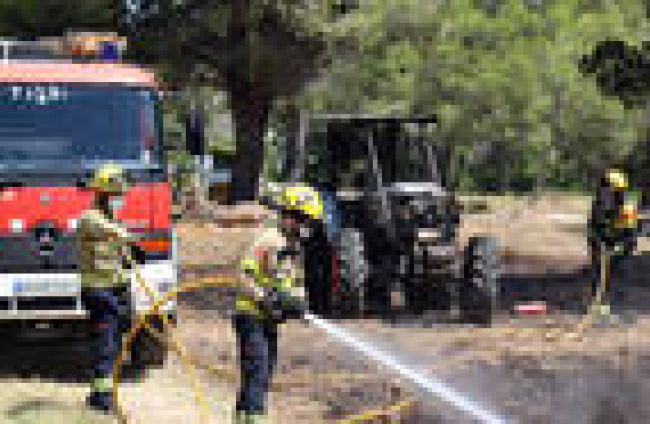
(292, 127)
(250, 103)
(250, 112)
(641, 173)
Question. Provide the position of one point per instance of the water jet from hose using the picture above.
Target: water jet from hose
(430, 385)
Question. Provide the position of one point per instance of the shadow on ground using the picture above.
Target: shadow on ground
(54, 359)
(36, 411)
(567, 290)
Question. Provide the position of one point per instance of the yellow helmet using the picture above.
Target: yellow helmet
(110, 179)
(301, 198)
(616, 179)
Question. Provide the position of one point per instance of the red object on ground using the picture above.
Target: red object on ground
(533, 308)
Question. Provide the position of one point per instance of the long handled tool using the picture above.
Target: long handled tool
(597, 302)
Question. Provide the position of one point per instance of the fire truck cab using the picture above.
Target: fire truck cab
(68, 106)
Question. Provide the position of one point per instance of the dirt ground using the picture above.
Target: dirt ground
(530, 369)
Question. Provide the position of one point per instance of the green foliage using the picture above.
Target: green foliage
(51, 18)
(526, 91)
(276, 46)
(503, 76)
(621, 70)
(255, 50)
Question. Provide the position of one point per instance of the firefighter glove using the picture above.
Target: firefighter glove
(281, 306)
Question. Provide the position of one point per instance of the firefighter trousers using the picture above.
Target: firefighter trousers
(257, 342)
(106, 308)
(616, 290)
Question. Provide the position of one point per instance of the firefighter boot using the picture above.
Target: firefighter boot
(607, 316)
(250, 418)
(101, 401)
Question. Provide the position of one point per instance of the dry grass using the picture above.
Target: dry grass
(564, 201)
(527, 228)
(549, 228)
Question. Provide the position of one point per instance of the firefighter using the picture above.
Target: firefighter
(613, 226)
(102, 242)
(270, 295)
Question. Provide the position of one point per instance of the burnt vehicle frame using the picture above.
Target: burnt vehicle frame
(392, 225)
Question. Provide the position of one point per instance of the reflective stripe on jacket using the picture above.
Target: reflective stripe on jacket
(102, 384)
(268, 263)
(614, 219)
(102, 243)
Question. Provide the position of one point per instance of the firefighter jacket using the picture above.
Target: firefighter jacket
(273, 264)
(102, 244)
(613, 218)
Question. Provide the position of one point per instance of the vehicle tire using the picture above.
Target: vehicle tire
(316, 251)
(377, 292)
(354, 269)
(479, 289)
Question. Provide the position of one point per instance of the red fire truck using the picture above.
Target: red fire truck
(63, 113)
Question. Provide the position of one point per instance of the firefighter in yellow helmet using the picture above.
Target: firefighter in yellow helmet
(271, 294)
(613, 228)
(101, 243)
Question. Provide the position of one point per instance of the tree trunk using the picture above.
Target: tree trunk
(250, 114)
(446, 166)
(641, 175)
(292, 133)
(249, 101)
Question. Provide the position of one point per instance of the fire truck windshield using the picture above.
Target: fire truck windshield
(77, 122)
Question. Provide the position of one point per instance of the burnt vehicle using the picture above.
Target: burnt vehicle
(392, 225)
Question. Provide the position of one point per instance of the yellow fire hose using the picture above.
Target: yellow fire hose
(396, 409)
(188, 360)
(586, 321)
(134, 331)
(595, 305)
